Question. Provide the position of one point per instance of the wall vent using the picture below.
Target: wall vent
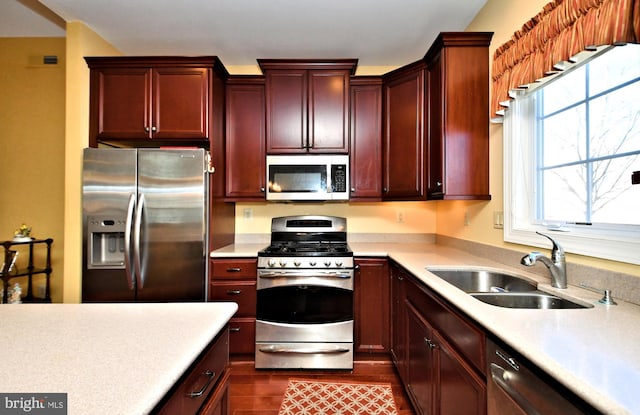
(50, 60)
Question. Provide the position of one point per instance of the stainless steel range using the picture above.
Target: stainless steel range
(304, 316)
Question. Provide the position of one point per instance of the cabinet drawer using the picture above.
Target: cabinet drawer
(241, 292)
(242, 335)
(234, 269)
(198, 382)
(467, 339)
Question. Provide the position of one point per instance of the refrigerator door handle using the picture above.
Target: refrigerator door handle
(128, 266)
(137, 257)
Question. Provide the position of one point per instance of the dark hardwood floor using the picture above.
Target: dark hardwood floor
(260, 392)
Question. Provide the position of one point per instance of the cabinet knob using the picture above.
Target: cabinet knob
(353, 189)
(384, 189)
(154, 129)
(146, 129)
(262, 189)
(439, 183)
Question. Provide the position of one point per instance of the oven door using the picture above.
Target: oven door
(305, 296)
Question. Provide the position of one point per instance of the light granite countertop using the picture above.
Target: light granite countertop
(594, 351)
(108, 358)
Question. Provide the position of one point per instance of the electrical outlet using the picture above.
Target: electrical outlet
(400, 216)
(247, 213)
(498, 220)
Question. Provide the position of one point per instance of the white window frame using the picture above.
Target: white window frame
(613, 243)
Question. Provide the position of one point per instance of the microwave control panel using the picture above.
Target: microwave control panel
(338, 178)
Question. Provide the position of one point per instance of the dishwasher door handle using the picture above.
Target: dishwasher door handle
(501, 378)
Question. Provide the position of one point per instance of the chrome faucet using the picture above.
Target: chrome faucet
(557, 264)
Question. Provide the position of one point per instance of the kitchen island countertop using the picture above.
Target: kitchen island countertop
(108, 358)
(594, 351)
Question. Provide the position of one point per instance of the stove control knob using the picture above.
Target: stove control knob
(271, 263)
(327, 263)
(283, 263)
(296, 263)
(312, 263)
(339, 263)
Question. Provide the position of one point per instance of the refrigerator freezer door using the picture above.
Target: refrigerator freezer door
(108, 185)
(171, 235)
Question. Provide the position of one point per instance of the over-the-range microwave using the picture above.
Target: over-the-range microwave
(307, 177)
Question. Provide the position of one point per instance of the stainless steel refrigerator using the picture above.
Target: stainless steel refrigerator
(144, 225)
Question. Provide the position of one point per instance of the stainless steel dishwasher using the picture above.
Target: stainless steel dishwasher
(515, 389)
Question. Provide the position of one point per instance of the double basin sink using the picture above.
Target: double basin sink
(504, 290)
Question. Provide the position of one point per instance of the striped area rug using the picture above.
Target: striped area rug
(311, 397)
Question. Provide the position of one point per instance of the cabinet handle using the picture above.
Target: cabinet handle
(234, 292)
(211, 375)
(234, 269)
(234, 329)
(430, 344)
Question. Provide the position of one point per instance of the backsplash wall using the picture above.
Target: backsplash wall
(380, 218)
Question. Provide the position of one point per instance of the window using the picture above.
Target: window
(571, 146)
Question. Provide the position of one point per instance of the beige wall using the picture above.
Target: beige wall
(81, 42)
(50, 198)
(503, 17)
(32, 97)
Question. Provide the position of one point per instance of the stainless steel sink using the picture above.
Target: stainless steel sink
(484, 281)
(503, 290)
(528, 300)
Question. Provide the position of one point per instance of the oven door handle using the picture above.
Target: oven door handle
(293, 274)
(303, 350)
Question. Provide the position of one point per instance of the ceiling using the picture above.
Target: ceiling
(377, 32)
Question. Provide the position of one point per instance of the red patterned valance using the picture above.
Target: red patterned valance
(561, 30)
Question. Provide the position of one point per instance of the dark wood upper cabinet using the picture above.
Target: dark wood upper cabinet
(458, 108)
(245, 138)
(138, 101)
(365, 149)
(307, 105)
(404, 149)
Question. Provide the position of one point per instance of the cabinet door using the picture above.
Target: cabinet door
(286, 93)
(120, 99)
(245, 141)
(328, 111)
(461, 390)
(421, 362)
(398, 322)
(458, 67)
(404, 149)
(366, 140)
(435, 180)
(371, 305)
(180, 103)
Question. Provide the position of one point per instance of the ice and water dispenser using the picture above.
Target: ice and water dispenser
(106, 242)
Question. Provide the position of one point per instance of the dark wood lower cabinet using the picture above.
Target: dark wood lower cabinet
(371, 304)
(438, 352)
(421, 363)
(203, 389)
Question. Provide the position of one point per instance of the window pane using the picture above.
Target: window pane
(564, 139)
(614, 122)
(564, 194)
(617, 66)
(614, 198)
(566, 90)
